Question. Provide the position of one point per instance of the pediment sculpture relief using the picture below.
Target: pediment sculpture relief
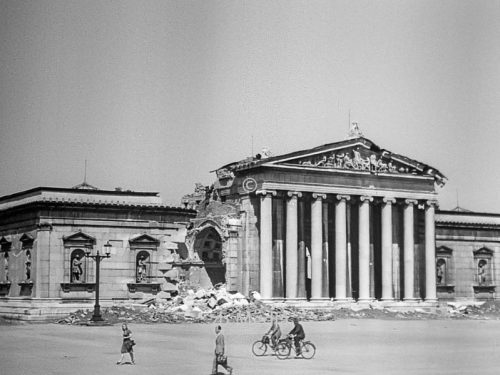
(354, 160)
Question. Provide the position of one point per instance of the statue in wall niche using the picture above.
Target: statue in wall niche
(141, 269)
(27, 265)
(6, 265)
(440, 272)
(76, 268)
(481, 272)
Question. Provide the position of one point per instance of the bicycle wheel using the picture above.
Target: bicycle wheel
(308, 350)
(259, 348)
(282, 350)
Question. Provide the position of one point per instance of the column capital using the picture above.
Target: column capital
(366, 198)
(319, 196)
(264, 192)
(411, 202)
(431, 203)
(292, 194)
(389, 200)
(341, 197)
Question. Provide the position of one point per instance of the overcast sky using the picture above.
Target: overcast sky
(156, 94)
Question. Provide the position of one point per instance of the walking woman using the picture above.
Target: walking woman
(127, 345)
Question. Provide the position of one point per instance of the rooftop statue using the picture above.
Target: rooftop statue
(354, 131)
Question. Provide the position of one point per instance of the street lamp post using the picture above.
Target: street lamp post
(96, 317)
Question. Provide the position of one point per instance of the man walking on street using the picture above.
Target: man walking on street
(220, 357)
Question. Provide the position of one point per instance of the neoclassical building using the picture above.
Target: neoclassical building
(46, 232)
(343, 221)
(467, 254)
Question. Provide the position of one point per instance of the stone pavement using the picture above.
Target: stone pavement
(343, 347)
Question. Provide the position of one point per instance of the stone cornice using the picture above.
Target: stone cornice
(445, 219)
(349, 171)
(77, 204)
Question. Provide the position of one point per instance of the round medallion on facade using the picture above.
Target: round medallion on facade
(249, 185)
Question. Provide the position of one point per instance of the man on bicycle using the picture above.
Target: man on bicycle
(298, 334)
(274, 332)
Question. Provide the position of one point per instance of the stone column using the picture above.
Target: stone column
(341, 248)
(430, 252)
(387, 294)
(301, 263)
(409, 251)
(364, 248)
(278, 243)
(326, 252)
(291, 244)
(266, 244)
(317, 246)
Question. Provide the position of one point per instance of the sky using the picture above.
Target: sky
(156, 94)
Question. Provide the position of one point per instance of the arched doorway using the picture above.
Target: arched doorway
(208, 246)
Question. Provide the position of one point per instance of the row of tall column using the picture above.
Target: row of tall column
(341, 258)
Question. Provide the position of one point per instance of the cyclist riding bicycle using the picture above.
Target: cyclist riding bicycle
(298, 334)
(274, 333)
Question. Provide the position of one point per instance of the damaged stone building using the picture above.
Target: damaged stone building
(46, 232)
(345, 221)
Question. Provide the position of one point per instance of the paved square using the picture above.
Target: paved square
(343, 347)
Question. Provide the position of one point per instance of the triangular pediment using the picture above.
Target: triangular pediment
(78, 239)
(26, 240)
(4, 241)
(5, 244)
(443, 250)
(359, 154)
(353, 155)
(144, 239)
(483, 251)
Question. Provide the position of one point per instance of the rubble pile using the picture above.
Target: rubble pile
(219, 306)
(474, 310)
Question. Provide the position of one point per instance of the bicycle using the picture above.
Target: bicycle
(284, 348)
(259, 347)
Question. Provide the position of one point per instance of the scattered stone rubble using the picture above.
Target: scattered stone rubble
(219, 306)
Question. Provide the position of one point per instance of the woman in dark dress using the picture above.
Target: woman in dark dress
(127, 345)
